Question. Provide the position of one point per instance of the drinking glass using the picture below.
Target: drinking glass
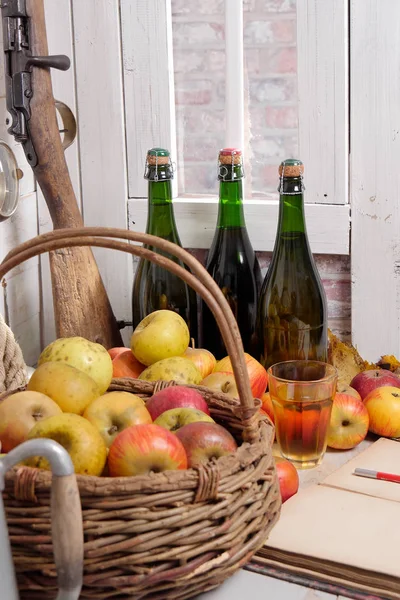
(302, 393)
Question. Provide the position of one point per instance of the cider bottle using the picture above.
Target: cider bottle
(231, 260)
(292, 314)
(154, 287)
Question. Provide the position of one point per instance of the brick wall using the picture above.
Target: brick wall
(271, 92)
(271, 127)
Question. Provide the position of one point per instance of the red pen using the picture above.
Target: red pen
(377, 475)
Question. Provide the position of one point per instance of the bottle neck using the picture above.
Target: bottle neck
(291, 206)
(161, 220)
(230, 210)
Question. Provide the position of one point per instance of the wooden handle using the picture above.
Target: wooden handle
(198, 279)
(78, 289)
(67, 534)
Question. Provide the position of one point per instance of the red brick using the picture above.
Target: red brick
(203, 7)
(276, 5)
(189, 60)
(265, 31)
(273, 90)
(279, 60)
(216, 60)
(284, 30)
(200, 33)
(258, 32)
(201, 149)
(281, 117)
(332, 264)
(249, 5)
(338, 290)
(252, 61)
(267, 147)
(199, 120)
(193, 92)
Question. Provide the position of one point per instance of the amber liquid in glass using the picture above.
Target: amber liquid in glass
(302, 428)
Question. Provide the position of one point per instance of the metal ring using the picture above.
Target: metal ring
(69, 124)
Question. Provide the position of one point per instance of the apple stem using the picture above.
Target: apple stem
(193, 343)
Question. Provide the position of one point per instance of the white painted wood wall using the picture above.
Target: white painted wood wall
(122, 56)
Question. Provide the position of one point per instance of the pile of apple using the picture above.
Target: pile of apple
(370, 403)
(118, 433)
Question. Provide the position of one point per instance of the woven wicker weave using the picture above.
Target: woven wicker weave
(166, 535)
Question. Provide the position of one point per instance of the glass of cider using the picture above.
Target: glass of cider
(302, 393)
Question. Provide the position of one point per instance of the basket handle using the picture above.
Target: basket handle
(199, 279)
(66, 512)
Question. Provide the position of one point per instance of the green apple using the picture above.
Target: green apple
(162, 334)
(175, 418)
(89, 357)
(178, 369)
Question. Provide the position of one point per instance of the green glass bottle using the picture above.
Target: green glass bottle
(154, 287)
(292, 313)
(231, 260)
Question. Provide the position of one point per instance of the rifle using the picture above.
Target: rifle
(81, 305)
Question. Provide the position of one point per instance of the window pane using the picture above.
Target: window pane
(271, 115)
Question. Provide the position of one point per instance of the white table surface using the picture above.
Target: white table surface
(245, 585)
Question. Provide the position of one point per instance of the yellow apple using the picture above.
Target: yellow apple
(19, 413)
(114, 412)
(70, 388)
(80, 438)
(162, 334)
(383, 406)
(202, 358)
(222, 382)
(178, 369)
(89, 357)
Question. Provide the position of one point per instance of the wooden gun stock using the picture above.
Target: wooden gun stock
(81, 305)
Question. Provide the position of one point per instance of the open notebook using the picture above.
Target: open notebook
(344, 531)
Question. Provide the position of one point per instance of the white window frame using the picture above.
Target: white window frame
(94, 89)
(322, 29)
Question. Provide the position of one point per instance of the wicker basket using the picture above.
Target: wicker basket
(168, 535)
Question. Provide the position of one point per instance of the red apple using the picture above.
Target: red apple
(267, 405)
(383, 406)
(257, 374)
(115, 411)
(175, 418)
(203, 441)
(366, 381)
(288, 478)
(177, 396)
(143, 449)
(126, 365)
(349, 422)
(202, 358)
(113, 352)
(343, 388)
(221, 382)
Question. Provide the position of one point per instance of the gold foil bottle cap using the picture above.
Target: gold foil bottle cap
(291, 168)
